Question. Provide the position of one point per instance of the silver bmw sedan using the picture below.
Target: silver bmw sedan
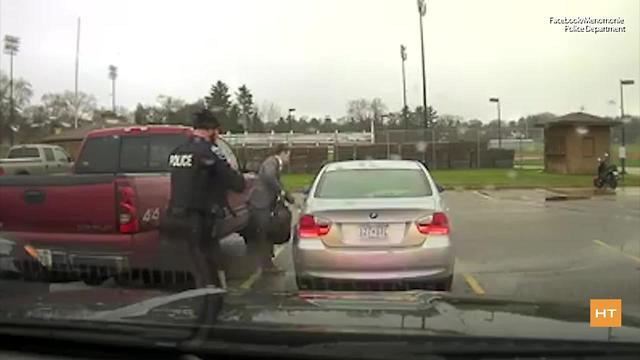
(373, 224)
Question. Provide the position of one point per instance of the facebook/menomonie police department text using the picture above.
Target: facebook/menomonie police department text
(590, 24)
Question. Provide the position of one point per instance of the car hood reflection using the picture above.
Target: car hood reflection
(396, 313)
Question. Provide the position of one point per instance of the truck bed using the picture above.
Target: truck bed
(53, 203)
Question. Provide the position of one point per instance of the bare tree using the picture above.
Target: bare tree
(62, 107)
(378, 108)
(359, 110)
(270, 112)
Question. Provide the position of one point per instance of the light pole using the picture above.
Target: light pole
(422, 11)
(290, 119)
(403, 56)
(622, 153)
(11, 47)
(497, 100)
(113, 74)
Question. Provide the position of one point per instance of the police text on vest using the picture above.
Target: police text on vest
(181, 160)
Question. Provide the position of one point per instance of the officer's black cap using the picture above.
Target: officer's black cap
(204, 119)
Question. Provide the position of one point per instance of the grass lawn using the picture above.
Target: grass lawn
(501, 178)
(516, 178)
(633, 154)
(630, 162)
(296, 182)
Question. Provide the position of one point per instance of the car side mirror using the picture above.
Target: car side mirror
(440, 188)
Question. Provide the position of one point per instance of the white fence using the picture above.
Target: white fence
(291, 138)
(511, 144)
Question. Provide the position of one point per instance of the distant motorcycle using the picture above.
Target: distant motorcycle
(608, 177)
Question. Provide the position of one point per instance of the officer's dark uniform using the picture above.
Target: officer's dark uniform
(200, 179)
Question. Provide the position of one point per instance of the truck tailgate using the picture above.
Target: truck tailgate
(58, 204)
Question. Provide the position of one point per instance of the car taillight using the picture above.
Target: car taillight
(310, 226)
(435, 224)
(127, 218)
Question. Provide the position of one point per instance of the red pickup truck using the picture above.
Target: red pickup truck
(107, 213)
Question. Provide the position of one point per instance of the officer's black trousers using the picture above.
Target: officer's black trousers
(194, 229)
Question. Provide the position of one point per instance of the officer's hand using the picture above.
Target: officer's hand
(289, 198)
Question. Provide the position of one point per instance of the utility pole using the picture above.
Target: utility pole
(75, 111)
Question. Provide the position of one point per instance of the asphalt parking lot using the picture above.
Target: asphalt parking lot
(508, 243)
(513, 243)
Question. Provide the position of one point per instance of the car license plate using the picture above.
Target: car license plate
(375, 232)
(44, 257)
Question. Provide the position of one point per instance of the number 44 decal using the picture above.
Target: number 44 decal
(151, 214)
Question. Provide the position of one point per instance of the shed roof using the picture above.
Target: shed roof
(580, 118)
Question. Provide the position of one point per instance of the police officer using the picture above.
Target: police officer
(200, 179)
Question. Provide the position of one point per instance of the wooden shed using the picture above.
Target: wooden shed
(573, 143)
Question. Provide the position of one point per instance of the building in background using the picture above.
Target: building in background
(574, 142)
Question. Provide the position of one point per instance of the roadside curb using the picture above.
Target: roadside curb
(566, 197)
(576, 193)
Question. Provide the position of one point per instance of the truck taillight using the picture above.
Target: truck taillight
(127, 218)
(310, 226)
(434, 224)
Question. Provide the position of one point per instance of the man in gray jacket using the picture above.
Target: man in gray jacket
(262, 201)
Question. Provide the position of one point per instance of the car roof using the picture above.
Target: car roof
(373, 164)
(146, 129)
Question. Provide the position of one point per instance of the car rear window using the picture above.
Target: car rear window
(128, 153)
(380, 183)
(23, 152)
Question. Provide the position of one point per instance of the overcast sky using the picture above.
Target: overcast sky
(315, 55)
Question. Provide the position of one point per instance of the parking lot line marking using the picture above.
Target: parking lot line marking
(278, 251)
(483, 194)
(629, 256)
(247, 284)
(473, 284)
